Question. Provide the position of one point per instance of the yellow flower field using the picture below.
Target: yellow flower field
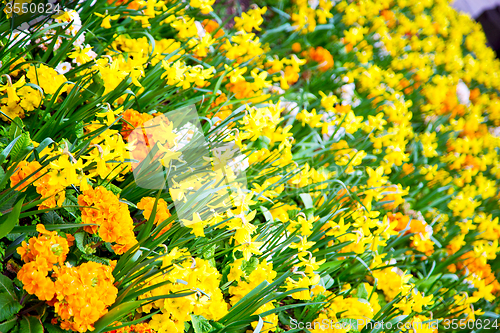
(304, 166)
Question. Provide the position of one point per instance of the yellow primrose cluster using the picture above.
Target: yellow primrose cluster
(185, 274)
(247, 282)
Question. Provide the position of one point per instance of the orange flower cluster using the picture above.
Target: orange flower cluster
(393, 197)
(210, 26)
(320, 55)
(80, 295)
(111, 218)
(40, 255)
(403, 220)
(478, 267)
(54, 193)
(131, 120)
(47, 246)
(452, 105)
(421, 240)
(45, 186)
(23, 172)
(162, 213)
(145, 137)
(223, 111)
(83, 295)
(245, 90)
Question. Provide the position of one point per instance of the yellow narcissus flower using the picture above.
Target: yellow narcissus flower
(82, 55)
(106, 22)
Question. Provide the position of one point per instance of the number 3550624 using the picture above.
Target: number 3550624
(33, 8)
(470, 324)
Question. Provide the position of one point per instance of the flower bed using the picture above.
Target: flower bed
(309, 166)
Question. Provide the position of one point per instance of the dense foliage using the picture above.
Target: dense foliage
(303, 163)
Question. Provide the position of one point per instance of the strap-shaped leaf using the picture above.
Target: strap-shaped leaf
(116, 314)
(6, 151)
(8, 221)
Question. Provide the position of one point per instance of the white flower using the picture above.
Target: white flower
(338, 136)
(201, 30)
(81, 2)
(495, 131)
(463, 93)
(75, 17)
(63, 67)
(79, 40)
(313, 3)
(276, 89)
(291, 107)
(347, 93)
(19, 36)
(185, 134)
(91, 53)
(239, 164)
(383, 52)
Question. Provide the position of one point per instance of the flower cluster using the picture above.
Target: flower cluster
(185, 274)
(80, 295)
(366, 185)
(107, 217)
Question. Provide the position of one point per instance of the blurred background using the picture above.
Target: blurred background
(486, 12)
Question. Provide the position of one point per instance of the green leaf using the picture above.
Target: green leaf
(6, 285)
(16, 127)
(51, 218)
(250, 265)
(8, 221)
(326, 281)
(96, 259)
(44, 144)
(2, 176)
(113, 188)
(31, 325)
(208, 254)
(9, 306)
(79, 240)
(22, 146)
(8, 201)
(361, 291)
(116, 314)
(267, 214)
(50, 227)
(53, 329)
(307, 200)
(200, 324)
(6, 151)
(7, 326)
(308, 204)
